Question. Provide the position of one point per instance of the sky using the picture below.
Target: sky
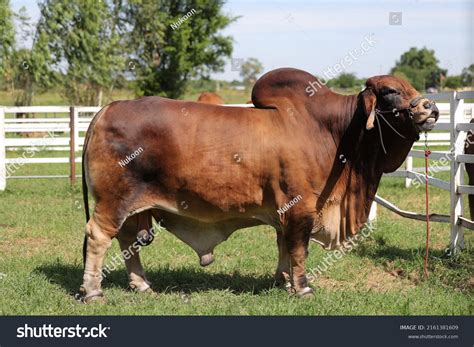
(317, 35)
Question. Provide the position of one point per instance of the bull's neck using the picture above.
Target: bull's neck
(359, 161)
(367, 144)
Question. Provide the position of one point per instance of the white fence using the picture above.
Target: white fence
(63, 134)
(57, 134)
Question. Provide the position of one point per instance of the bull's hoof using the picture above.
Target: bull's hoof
(282, 280)
(306, 292)
(148, 291)
(285, 285)
(94, 297)
(206, 259)
(140, 288)
(145, 238)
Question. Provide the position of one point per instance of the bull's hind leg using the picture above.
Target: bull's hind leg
(130, 246)
(99, 239)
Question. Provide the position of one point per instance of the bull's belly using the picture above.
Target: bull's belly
(202, 237)
(205, 199)
(202, 212)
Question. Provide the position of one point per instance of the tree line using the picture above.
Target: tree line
(86, 48)
(420, 67)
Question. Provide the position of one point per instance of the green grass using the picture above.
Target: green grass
(41, 232)
(55, 98)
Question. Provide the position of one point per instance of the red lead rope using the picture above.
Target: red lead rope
(427, 154)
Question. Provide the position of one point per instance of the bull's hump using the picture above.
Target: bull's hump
(286, 83)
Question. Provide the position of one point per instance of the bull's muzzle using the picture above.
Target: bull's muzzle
(427, 114)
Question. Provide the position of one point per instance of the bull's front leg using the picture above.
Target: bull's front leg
(282, 274)
(296, 236)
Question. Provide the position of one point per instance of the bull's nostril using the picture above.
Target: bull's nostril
(427, 105)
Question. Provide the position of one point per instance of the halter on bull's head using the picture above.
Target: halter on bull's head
(391, 100)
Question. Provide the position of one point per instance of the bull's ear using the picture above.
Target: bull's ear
(369, 101)
(370, 121)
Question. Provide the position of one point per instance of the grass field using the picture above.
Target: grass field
(54, 98)
(41, 232)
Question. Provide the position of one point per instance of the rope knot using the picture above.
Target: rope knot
(427, 153)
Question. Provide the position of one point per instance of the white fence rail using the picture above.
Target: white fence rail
(63, 134)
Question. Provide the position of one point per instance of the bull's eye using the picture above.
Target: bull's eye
(390, 91)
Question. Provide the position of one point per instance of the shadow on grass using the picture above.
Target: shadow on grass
(453, 271)
(181, 280)
(379, 251)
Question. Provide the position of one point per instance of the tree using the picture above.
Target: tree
(7, 43)
(177, 40)
(79, 40)
(420, 67)
(345, 80)
(249, 71)
(415, 76)
(144, 29)
(88, 47)
(31, 66)
(467, 75)
(15, 62)
(453, 82)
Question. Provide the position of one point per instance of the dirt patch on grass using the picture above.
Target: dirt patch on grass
(382, 281)
(372, 278)
(23, 247)
(470, 283)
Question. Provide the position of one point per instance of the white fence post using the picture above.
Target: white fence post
(3, 167)
(76, 129)
(72, 143)
(408, 167)
(457, 174)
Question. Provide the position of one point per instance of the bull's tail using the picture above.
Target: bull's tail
(85, 196)
(85, 192)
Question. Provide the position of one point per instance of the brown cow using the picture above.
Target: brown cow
(306, 162)
(210, 98)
